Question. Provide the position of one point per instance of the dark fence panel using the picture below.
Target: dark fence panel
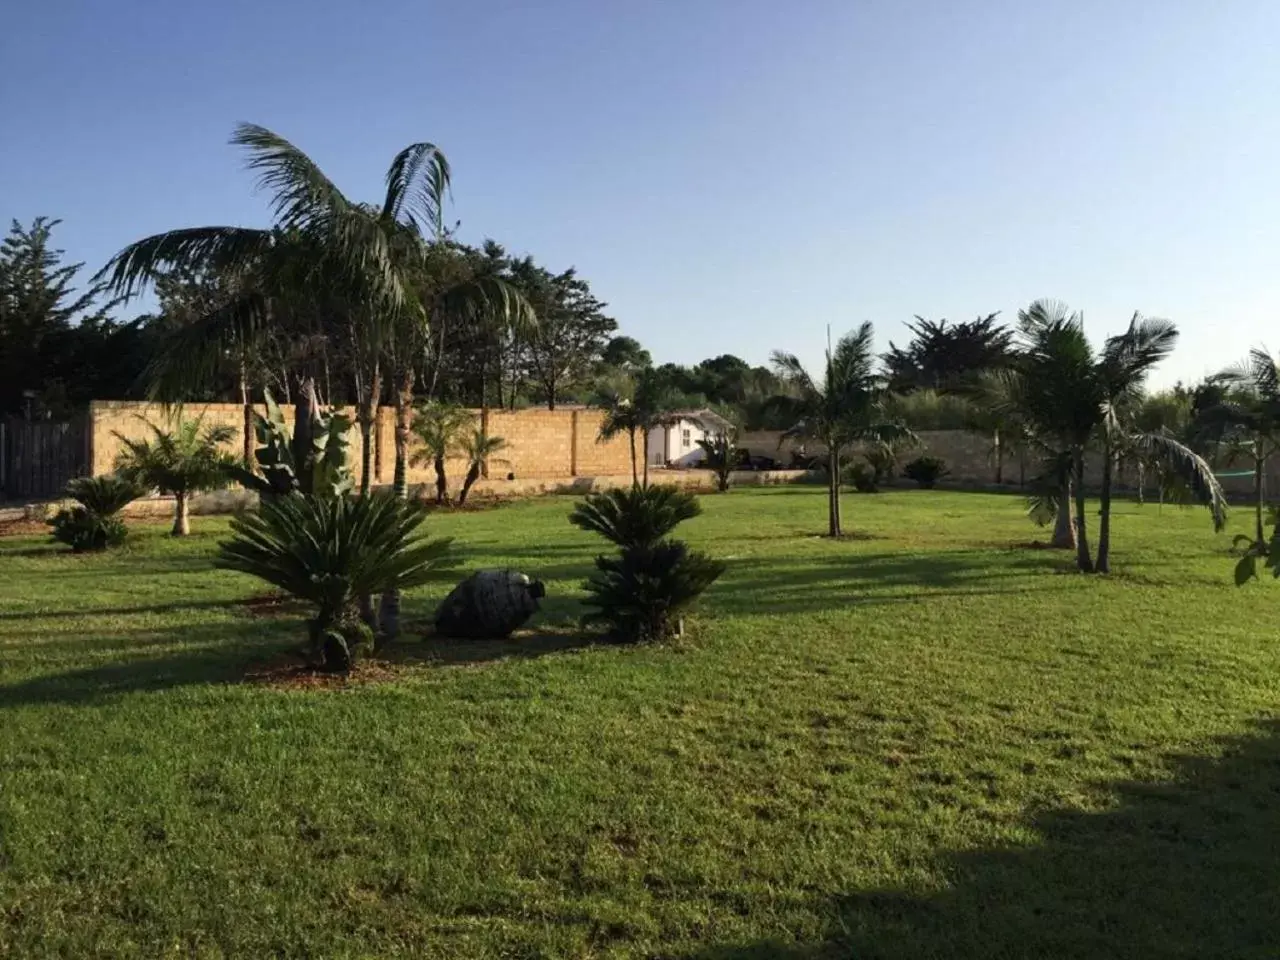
(40, 456)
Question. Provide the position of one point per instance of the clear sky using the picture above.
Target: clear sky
(731, 175)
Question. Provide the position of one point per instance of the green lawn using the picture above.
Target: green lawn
(929, 741)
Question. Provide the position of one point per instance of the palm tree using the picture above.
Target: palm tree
(479, 449)
(844, 408)
(319, 236)
(440, 428)
(1074, 399)
(181, 461)
(1246, 421)
(622, 416)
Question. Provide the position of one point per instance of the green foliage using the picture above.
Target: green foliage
(926, 471)
(635, 516)
(883, 455)
(323, 469)
(95, 522)
(722, 456)
(863, 478)
(329, 551)
(942, 356)
(641, 594)
(929, 409)
(439, 428)
(179, 460)
(480, 450)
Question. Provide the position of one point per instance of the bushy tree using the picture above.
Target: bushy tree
(946, 356)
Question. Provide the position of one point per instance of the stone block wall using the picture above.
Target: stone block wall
(540, 443)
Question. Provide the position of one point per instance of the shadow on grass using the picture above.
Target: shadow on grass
(523, 644)
(1185, 868)
(810, 584)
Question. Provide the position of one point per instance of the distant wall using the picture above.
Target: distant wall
(541, 444)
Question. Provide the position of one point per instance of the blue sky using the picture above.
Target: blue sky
(731, 175)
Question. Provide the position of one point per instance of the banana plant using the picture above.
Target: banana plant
(311, 461)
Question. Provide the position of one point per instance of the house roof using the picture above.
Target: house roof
(708, 418)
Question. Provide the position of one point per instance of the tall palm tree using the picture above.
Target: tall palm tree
(183, 460)
(845, 407)
(1077, 399)
(318, 234)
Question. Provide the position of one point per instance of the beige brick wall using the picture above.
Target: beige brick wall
(541, 444)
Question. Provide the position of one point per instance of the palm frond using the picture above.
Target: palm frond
(302, 197)
(417, 184)
(217, 249)
(1182, 464)
(636, 516)
(187, 358)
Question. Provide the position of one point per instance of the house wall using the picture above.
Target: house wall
(540, 443)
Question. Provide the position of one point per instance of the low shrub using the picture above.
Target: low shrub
(95, 522)
(864, 478)
(926, 471)
(641, 593)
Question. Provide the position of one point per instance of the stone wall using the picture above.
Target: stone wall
(541, 444)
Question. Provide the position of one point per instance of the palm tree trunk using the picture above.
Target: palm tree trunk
(1084, 560)
(838, 470)
(473, 474)
(181, 521)
(1064, 537)
(1258, 464)
(999, 454)
(635, 472)
(1104, 520)
(246, 418)
(389, 608)
(644, 445)
(442, 482)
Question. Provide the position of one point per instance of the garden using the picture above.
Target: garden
(928, 738)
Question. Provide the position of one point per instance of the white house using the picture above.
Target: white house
(677, 443)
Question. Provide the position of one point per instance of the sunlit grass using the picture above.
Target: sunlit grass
(926, 741)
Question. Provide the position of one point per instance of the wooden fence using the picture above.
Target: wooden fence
(37, 458)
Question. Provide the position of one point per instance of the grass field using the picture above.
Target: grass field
(929, 741)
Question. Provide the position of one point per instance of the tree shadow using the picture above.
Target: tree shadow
(1181, 869)
(435, 650)
(808, 584)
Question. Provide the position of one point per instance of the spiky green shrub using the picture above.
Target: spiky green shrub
(330, 551)
(95, 522)
(180, 460)
(640, 594)
(926, 471)
(635, 516)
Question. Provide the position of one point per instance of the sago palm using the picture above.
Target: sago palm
(846, 406)
(639, 516)
(330, 551)
(184, 459)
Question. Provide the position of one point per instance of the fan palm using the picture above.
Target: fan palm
(479, 448)
(330, 551)
(440, 428)
(180, 461)
(318, 233)
(845, 407)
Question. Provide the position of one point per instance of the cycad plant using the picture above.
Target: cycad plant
(329, 551)
(184, 459)
(440, 428)
(94, 523)
(480, 450)
(642, 593)
(845, 407)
